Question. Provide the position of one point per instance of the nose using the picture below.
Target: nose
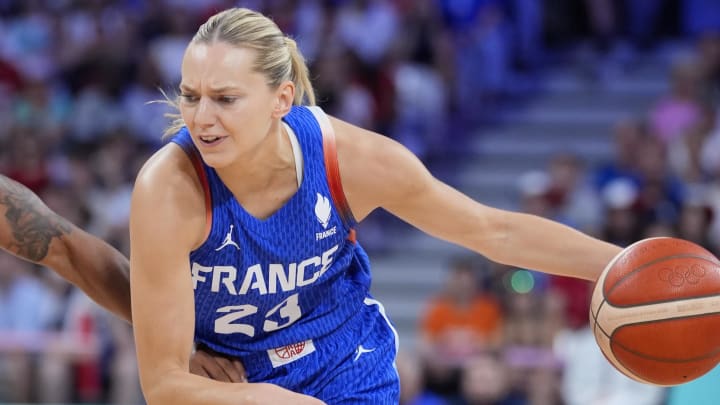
(205, 115)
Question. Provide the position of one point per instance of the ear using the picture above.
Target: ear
(284, 98)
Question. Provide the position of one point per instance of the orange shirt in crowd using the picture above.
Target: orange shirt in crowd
(482, 318)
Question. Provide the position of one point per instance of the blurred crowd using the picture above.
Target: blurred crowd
(79, 81)
(500, 335)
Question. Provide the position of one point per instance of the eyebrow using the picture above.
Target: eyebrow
(220, 89)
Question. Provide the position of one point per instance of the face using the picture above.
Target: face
(462, 284)
(228, 107)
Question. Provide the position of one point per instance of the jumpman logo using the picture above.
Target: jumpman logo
(361, 350)
(228, 241)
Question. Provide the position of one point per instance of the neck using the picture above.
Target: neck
(262, 166)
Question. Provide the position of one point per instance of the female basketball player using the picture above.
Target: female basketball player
(242, 232)
(32, 231)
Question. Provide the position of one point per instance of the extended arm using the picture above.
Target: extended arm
(378, 172)
(32, 231)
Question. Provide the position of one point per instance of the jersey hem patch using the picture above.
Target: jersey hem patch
(287, 354)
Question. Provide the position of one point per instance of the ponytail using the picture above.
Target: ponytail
(300, 75)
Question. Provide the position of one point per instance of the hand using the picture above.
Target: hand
(207, 363)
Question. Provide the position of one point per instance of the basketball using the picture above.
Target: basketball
(655, 311)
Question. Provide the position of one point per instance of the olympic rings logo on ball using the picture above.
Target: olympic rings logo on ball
(682, 274)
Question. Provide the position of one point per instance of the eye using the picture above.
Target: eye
(226, 99)
(189, 98)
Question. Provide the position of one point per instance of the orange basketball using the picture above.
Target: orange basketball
(655, 311)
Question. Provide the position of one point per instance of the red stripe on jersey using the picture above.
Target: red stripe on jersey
(332, 171)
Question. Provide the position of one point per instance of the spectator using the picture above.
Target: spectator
(533, 187)
(145, 117)
(532, 321)
(367, 27)
(461, 322)
(487, 381)
(694, 223)
(708, 49)
(685, 153)
(622, 227)
(412, 385)
(27, 161)
(678, 112)
(589, 379)
(572, 195)
(661, 192)
(28, 309)
(627, 138)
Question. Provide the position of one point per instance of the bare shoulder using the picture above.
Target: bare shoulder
(170, 167)
(168, 173)
(168, 192)
(27, 225)
(375, 170)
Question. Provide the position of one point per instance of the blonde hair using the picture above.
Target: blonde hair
(278, 56)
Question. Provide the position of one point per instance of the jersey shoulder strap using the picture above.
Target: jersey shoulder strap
(332, 169)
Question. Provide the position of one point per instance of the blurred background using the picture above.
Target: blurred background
(601, 114)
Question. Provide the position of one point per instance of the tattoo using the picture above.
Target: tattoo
(32, 224)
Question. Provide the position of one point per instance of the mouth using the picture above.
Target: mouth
(210, 140)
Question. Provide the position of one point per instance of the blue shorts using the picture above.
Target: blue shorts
(354, 365)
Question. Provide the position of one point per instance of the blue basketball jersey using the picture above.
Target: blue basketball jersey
(269, 290)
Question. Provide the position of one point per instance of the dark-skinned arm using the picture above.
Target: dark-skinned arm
(32, 231)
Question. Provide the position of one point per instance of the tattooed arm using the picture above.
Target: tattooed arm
(30, 230)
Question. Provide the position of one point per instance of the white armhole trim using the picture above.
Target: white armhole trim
(322, 119)
(297, 153)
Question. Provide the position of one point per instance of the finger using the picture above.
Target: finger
(219, 367)
(233, 368)
(204, 364)
(198, 370)
(241, 369)
(215, 370)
